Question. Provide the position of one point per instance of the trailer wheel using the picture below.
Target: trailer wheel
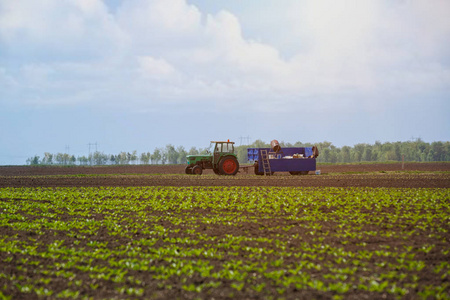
(197, 170)
(298, 172)
(257, 170)
(188, 170)
(228, 166)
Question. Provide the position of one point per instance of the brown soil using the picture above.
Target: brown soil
(413, 175)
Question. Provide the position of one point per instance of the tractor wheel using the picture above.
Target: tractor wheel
(197, 170)
(188, 170)
(216, 171)
(228, 166)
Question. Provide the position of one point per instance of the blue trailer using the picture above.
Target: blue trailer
(295, 160)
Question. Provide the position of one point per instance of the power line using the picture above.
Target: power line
(92, 144)
(244, 138)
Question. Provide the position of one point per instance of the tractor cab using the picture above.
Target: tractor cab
(219, 149)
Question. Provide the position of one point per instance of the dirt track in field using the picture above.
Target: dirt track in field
(414, 175)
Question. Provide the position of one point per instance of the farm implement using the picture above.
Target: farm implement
(295, 160)
(266, 161)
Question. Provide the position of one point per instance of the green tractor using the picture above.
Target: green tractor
(220, 157)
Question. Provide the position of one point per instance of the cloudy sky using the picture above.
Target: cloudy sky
(139, 74)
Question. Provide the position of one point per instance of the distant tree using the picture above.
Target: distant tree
(324, 145)
(334, 153)
(83, 160)
(181, 155)
(367, 154)
(345, 154)
(204, 150)
(123, 158)
(259, 144)
(447, 151)
(163, 157)
(397, 151)
(48, 159)
(357, 152)
(325, 155)
(193, 151)
(99, 158)
(145, 158)
(300, 144)
(284, 144)
(242, 153)
(156, 156)
(416, 150)
(438, 151)
(33, 161)
(172, 154)
(133, 157)
(63, 158)
(142, 158)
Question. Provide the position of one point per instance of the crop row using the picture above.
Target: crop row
(189, 242)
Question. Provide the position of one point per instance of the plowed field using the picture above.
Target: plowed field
(413, 175)
(369, 231)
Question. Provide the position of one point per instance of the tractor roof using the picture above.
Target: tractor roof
(222, 142)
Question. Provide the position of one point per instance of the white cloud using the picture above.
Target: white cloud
(6, 80)
(53, 29)
(36, 76)
(155, 69)
(156, 26)
(170, 49)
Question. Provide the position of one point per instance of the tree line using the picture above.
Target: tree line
(417, 150)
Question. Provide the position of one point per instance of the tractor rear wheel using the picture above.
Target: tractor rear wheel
(197, 170)
(228, 166)
(216, 171)
(188, 170)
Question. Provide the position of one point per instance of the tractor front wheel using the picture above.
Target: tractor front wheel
(188, 170)
(197, 170)
(228, 166)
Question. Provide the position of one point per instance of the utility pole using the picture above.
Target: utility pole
(91, 144)
(244, 138)
(67, 149)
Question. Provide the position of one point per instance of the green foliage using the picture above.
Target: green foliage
(251, 242)
(412, 151)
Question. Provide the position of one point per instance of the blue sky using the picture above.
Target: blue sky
(139, 74)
